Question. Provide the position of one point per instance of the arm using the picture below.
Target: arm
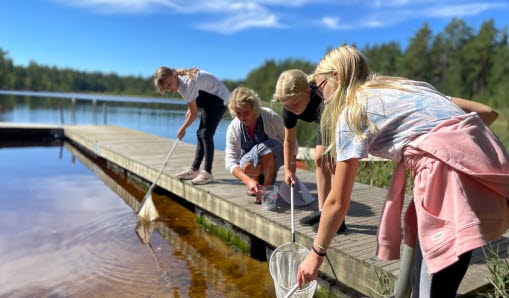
(334, 212)
(251, 184)
(289, 154)
(487, 114)
(288, 137)
(192, 113)
(232, 157)
(232, 150)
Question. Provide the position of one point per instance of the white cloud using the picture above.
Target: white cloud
(461, 10)
(234, 15)
(239, 22)
(421, 9)
(375, 24)
(118, 6)
(240, 16)
(389, 3)
(333, 23)
(202, 6)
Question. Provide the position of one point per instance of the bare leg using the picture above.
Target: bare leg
(252, 171)
(323, 174)
(268, 168)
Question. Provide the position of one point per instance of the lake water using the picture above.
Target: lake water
(149, 115)
(68, 228)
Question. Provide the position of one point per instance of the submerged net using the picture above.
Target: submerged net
(283, 265)
(148, 211)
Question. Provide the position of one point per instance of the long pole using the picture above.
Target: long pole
(104, 114)
(94, 117)
(73, 100)
(149, 192)
(61, 114)
(291, 212)
(403, 286)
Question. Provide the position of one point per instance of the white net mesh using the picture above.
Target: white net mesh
(283, 265)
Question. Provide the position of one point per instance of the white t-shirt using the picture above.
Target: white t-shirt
(399, 117)
(204, 81)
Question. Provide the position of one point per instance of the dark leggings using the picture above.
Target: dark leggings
(212, 113)
(444, 283)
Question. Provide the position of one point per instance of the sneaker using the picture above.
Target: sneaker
(311, 219)
(187, 174)
(341, 229)
(203, 178)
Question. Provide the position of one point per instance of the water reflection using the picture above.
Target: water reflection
(159, 119)
(64, 233)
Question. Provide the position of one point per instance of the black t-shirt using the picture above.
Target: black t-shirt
(312, 113)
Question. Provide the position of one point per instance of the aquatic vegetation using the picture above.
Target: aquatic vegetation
(384, 285)
(498, 273)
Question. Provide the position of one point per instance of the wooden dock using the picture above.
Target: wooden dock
(25, 135)
(352, 255)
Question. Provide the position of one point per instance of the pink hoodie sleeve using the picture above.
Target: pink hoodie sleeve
(389, 229)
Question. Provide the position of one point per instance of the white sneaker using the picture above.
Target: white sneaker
(203, 178)
(188, 174)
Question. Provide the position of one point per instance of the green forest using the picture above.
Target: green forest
(459, 61)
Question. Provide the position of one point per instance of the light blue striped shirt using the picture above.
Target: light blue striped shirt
(399, 117)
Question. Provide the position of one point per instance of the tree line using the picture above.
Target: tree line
(459, 61)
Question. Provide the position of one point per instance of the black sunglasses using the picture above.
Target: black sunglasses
(318, 91)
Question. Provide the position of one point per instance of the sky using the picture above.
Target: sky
(226, 37)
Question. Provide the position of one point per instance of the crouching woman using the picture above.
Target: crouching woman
(254, 141)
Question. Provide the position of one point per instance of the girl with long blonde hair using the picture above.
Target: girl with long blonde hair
(461, 193)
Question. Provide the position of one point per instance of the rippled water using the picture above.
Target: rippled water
(67, 228)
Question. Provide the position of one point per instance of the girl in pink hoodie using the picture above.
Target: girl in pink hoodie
(460, 168)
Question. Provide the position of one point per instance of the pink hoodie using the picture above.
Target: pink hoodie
(461, 193)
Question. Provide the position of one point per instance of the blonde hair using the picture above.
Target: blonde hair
(350, 67)
(243, 98)
(291, 82)
(164, 72)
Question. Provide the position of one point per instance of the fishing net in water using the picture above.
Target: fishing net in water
(148, 211)
(283, 265)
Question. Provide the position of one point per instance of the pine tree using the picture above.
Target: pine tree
(480, 51)
(416, 63)
(497, 93)
(383, 58)
(456, 34)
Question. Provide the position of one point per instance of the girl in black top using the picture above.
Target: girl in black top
(302, 100)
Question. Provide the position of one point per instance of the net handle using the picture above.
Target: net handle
(291, 212)
(292, 290)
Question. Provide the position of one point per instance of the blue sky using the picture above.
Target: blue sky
(228, 38)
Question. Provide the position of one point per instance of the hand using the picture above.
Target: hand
(181, 133)
(308, 269)
(289, 177)
(253, 185)
(328, 164)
